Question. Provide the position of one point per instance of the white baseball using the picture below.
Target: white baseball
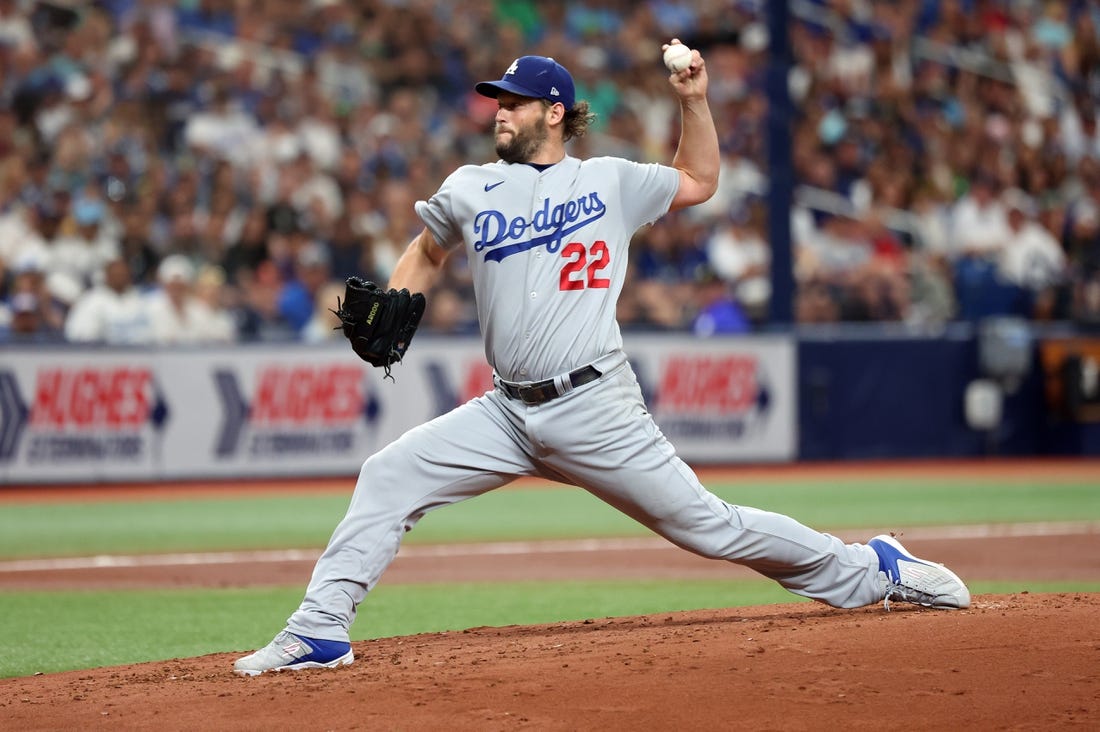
(677, 57)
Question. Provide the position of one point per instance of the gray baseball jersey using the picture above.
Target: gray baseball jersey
(548, 252)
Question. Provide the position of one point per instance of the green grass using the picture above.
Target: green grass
(279, 521)
(53, 631)
(73, 630)
(76, 630)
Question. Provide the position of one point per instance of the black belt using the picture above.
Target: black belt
(541, 392)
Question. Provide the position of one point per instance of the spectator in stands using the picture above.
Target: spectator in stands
(113, 312)
(717, 311)
(29, 276)
(931, 290)
(351, 254)
(26, 227)
(814, 303)
(210, 289)
(28, 312)
(979, 231)
(257, 313)
(323, 325)
(664, 266)
(222, 131)
(250, 248)
(136, 247)
(90, 243)
(1082, 246)
(739, 255)
(835, 252)
(1032, 259)
(176, 314)
(392, 233)
(311, 271)
(931, 222)
(1079, 133)
(979, 226)
(22, 322)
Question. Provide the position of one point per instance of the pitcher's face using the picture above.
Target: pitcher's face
(521, 128)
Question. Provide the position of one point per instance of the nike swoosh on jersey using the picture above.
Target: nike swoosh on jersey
(491, 186)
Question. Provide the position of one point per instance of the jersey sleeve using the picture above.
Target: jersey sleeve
(437, 212)
(647, 190)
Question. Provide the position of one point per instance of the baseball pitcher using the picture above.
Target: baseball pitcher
(546, 235)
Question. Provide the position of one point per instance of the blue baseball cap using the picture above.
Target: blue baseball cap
(533, 76)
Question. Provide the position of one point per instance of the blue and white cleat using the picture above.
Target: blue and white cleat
(908, 579)
(290, 652)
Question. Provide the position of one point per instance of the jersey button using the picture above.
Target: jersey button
(534, 295)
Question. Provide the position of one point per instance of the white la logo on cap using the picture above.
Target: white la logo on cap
(512, 69)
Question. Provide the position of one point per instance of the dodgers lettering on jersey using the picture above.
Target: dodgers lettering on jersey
(546, 228)
(548, 253)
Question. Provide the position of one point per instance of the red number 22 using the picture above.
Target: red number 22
(578, 260)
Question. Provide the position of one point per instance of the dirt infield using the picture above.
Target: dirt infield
(1063, 552)
(1010, 662)
(1020, 661)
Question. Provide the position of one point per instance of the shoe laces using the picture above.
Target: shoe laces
(901, 593)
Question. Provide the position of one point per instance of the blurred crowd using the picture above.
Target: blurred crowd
(212, 170)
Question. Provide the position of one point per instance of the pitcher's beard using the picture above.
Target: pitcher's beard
(524, 144)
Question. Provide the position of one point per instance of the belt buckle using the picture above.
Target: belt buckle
(533, 395)
(513, 390)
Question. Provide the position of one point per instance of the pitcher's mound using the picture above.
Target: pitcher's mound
(1020, 661)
